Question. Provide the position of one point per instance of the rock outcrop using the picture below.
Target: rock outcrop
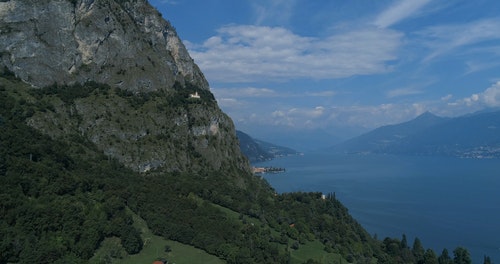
(141, 113)
(124, 43)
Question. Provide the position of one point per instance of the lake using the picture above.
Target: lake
(446, 202)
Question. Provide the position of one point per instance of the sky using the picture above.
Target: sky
(329, 70)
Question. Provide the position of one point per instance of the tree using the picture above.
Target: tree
(430, 257)
(461, 256)
(406, 253)
(487, 260)
(445, 257)
(418, 250)
(404, 242)
(168, 249)
(131, 240)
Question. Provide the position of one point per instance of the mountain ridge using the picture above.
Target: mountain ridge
(470, 135)
(258, 150)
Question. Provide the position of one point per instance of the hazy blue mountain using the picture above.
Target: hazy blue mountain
(473, 135)
(298, 139)
(257, 150)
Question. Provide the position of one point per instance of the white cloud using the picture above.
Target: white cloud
(446, 97)
(445, 39)
(491, 96)
(244, 53)
(228, 102)
(399, 11)
(368, 117)
(488, 98)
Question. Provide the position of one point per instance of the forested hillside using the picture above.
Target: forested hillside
(62, 198)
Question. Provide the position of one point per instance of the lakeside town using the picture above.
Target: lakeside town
(261, 170)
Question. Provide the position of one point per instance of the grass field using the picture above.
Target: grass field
(314, 250)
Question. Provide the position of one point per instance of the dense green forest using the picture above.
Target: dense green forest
(60, 198)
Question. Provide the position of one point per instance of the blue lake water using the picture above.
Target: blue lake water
(445, 202)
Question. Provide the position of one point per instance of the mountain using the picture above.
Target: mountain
(114, 150)
(251, 149)
(473, 135)
(257, 150)
(146, 119)
(297, 138)
(122, 43)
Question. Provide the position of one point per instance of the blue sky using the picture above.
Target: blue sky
(341, 67)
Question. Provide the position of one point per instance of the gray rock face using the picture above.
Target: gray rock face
(124, 43)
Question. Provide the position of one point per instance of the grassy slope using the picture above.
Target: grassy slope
(154, 248)
(310, 250)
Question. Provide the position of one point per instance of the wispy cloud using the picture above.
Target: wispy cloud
(321, 94)
(403, 92)
(477, 66)
(326, 117)
(273, 11)
(446, 97)
(243, 92)
(399, 11)
(253, 92)
(367, 116)
(243, 53)
(448, 38)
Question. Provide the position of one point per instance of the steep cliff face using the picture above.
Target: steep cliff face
(124, 43)
(139, 109)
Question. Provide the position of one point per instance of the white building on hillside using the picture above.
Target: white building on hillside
(195, 95)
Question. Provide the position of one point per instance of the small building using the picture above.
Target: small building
(195, 95)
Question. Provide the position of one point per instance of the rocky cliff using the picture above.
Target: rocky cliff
(124, 43)
(115, 73)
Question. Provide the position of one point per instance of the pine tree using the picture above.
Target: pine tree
(461, 256)
(430, 257)
(404, 242)
(418, 251)
(445, 257)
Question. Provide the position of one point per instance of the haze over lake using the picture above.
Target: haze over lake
(445, 202)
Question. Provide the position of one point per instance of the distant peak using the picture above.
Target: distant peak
(427, 115)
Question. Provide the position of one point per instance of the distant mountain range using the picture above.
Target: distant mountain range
(474, 135)
(257, 150)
